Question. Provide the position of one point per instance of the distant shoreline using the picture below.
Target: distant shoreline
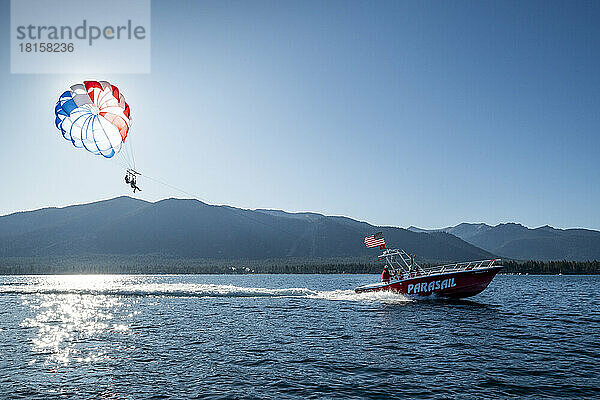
(163, 265)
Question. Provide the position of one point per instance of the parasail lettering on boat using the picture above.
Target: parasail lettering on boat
(430, 286)
(94, 115)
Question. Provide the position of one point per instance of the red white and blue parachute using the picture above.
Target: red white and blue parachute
(94, 116)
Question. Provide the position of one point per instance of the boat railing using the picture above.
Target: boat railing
(403, 264)
(458, 267)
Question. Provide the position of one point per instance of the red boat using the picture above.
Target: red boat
(453, 280)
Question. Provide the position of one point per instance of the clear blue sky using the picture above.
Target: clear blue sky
(398, 113)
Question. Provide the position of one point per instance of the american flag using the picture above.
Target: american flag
(375, 240)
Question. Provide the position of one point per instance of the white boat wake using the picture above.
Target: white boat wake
(194, 290)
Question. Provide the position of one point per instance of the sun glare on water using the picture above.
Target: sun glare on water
(64, 318)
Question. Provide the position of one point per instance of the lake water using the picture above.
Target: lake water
(294, 336)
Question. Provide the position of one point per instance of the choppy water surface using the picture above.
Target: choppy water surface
(294, 336)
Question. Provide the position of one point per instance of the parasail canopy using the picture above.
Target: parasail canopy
(94, 116)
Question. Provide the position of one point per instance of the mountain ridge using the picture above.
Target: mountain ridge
(193, 229)
(516, 241)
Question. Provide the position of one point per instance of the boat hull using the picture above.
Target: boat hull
(451, 285)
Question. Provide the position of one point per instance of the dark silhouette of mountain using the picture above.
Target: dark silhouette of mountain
(522, 243)
(190, 228)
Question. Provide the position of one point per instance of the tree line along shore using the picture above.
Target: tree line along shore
(157, 264)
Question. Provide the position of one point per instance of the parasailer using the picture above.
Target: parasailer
(134, 186)
(94, 115)
(131, 180)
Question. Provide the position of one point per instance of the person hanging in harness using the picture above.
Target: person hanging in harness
(130, 180)
(133, 184)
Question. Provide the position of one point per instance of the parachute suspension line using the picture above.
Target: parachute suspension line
(126, 152)
(122, 165)
(124, 157)
(131, 152)
(120, 159)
